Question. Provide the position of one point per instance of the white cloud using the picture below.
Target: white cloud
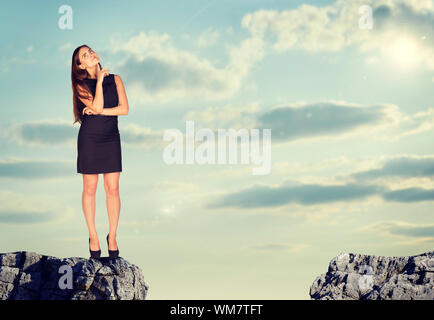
(156, 71)
(208, 37)
(406, 24)
(410, 125)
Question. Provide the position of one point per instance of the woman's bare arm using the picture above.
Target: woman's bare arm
(123, 107)
(97, 104)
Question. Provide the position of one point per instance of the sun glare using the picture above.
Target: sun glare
(403, 52)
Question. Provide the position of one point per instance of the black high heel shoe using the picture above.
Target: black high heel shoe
(94, 254)
(112, 253)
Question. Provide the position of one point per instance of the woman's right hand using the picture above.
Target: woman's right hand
(101, 74)
(88, 111)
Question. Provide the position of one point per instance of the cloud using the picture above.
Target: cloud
(288, 122)
(155, 70)
(208, 38)
(294, 121)
(43, 132)
(401, 166)
(412, 231)
(293, 168)
(31, 209)
(306, 194)
(18, 217)
(140, 137)
(306, 27)
(25, 169)
(414, 124)
(335, 26)
(410, 195)
(62, 133)
(401, 229)
(325, 118)
(315, 120)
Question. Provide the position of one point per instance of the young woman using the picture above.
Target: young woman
(98, 98)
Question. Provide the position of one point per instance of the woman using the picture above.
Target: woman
(98, 98)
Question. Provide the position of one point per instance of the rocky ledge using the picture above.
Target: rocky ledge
(367, 277)
(32, 276)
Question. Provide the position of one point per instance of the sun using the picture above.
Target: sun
(403, 52)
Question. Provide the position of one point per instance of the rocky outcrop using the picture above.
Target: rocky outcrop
(367, 277)
(32, 276)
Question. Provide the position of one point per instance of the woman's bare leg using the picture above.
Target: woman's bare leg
(90, 183)
(111, 186)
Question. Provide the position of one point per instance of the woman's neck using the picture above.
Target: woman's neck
(93, 71)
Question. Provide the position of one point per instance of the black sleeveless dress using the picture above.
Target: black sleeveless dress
(99, 143)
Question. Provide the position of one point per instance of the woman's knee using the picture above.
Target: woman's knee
(90, 189)
(90, 186)
(112, 189)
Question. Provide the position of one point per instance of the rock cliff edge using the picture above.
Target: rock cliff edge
(368, 277)
(32, 276)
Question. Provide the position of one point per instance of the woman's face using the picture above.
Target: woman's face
(88, 57)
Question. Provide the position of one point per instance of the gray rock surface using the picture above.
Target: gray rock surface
(368, 277)
(32, 276)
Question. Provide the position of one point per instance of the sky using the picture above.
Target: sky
(345, 87)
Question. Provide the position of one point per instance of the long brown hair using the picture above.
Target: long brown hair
(77, 76)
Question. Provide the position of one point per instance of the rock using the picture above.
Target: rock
(32, 276)
(367, 277)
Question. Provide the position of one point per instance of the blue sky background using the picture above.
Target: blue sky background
(351, 113)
